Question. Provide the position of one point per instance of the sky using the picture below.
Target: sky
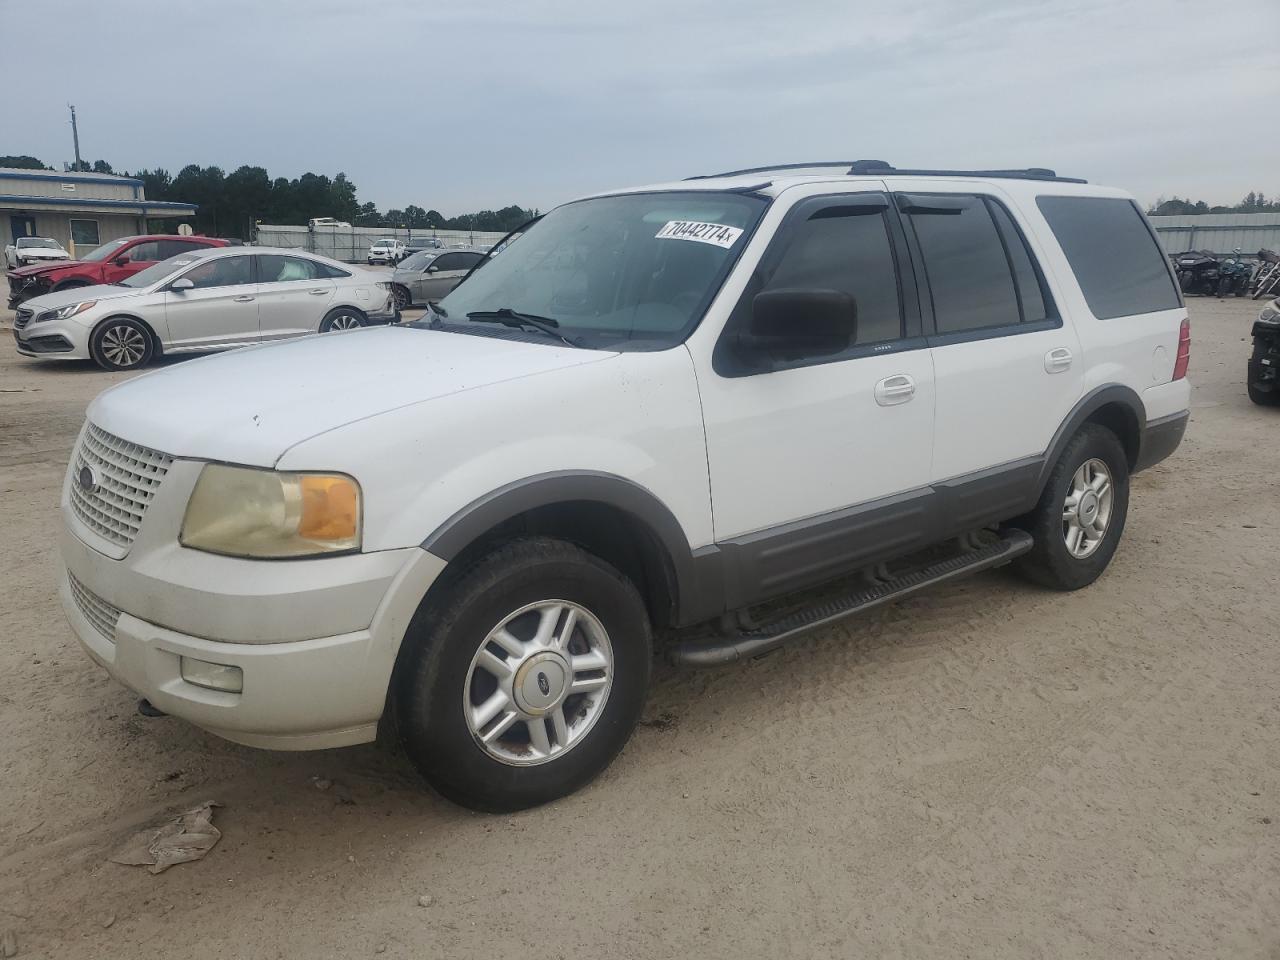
(460, 105)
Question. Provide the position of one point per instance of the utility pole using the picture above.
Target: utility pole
(75, 134)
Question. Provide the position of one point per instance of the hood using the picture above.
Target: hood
(250, 406)
(38, 268)
(61, 298)
(41, 253)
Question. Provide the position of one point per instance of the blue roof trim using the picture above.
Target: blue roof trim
(52, 176)
(128, 206)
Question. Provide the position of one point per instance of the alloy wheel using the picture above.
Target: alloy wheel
(538, 682)
(1086, 513)
(344, 321)
(123, 345)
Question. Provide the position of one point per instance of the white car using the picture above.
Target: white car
(327, 223)
(208, 299)
(386, 250)
(657, 413)
(25, 251)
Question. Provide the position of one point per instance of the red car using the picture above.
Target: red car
(109, 263)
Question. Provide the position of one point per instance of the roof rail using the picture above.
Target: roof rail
(879, 168)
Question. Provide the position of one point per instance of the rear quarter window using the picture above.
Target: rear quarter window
(1114, 255)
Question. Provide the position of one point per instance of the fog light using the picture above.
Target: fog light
(212, 676)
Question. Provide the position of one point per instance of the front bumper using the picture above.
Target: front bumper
(53, 340)
(316, 639)
(22, 289)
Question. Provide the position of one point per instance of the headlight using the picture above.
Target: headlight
(62, 313)
(246, 512)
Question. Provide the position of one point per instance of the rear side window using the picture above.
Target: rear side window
(981, 274)
(846, 247)
(1114, 255)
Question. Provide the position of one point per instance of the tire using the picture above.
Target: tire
(1051, 562)
(343, 318)
(446, 674)
(122, 343)
(1264, 398)
(401, 296)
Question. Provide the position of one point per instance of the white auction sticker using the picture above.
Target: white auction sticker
(714, 233)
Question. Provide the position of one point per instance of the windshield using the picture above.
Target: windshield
(417, 261)
(384, 242)
(158, 271)
(623, 272)
(38, 242)
(106, 250)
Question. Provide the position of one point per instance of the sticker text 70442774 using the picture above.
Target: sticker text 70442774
(716, 234)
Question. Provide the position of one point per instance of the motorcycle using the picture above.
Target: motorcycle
(1198, 272)
(1263, 379)
(1267, 279)
(1234, 274)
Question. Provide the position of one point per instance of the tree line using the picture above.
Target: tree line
(229, 204)
(1253, 202)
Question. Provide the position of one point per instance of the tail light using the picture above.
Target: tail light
(1184, 351)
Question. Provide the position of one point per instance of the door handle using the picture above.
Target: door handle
(317, 293)
(245, 299)
(894, 390)
(1058, 360)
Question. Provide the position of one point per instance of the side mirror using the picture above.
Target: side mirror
(432, 269)
(121, 260)
(794, 323)
(182, 283)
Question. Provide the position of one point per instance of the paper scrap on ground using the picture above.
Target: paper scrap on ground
(178, 840)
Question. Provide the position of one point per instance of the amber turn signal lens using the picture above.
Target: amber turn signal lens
(330, 508)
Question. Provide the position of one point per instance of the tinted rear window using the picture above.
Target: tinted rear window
(1120, 267)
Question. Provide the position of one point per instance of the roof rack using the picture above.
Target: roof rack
(879, 168)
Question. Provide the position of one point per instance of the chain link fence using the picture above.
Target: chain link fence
(351, 244)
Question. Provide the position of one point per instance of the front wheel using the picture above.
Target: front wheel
(121, 343)
(401, 296)
(1081, 514)
(525, 678)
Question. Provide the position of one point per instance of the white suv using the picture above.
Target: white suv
(386, 250)
(658, 412)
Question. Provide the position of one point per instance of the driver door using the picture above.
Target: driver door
(131, 260)
(820, 465)
(221, 310)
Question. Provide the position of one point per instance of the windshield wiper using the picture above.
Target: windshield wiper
(511, 318)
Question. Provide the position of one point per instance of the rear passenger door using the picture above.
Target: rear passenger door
(293, 295)
(1007, 370)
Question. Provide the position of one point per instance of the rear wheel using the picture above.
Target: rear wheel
(121, 343)
(1081, 514)
(525, 679)
(343, 318)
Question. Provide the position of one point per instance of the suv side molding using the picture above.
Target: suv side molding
(745, 570)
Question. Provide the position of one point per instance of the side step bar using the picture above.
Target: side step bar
(754, 642)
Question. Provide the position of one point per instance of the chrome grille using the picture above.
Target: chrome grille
(97, 611)
(21, 317)
(127, 476)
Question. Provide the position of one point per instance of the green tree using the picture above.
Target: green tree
(23, 162)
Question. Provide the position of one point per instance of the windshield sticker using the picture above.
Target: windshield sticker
(716, 234)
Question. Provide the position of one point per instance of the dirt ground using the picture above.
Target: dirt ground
(988, 770)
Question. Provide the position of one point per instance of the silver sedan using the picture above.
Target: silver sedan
(200, 301)
(428, 275)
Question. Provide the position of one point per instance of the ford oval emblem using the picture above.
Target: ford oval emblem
(88, 479)
(543, 684)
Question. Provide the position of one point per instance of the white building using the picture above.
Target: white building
(79, 210)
